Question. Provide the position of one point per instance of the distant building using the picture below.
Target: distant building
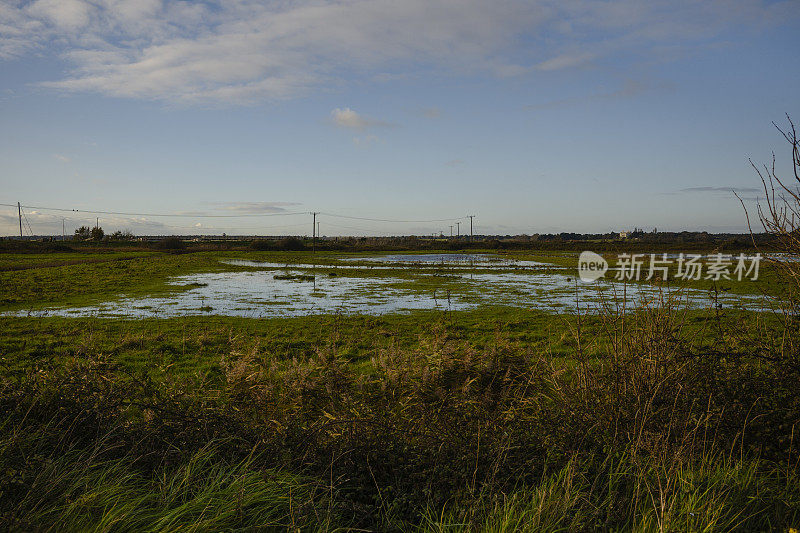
(623, 234)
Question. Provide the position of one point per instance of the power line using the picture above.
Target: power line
(358, 229)
(30, 229)
(314, 231)
(470, 226)
(220, 228)
(132, 214)
(22, 216)
(94, 212)
(133, 222)
(83, 215)
(393, 220)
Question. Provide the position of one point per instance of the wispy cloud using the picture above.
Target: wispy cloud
(347, 118)
(629, 89)
(256, 207)
(430, 112)
(568, 60)
(366, 140)
(721, 189)
(239, 51)
(62, 158)
(51, 224)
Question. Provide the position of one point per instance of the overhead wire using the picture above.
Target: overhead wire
(56, 218)
(28, 224)
(357, 229)
(243, 215)
(393, 220)
(187, 215)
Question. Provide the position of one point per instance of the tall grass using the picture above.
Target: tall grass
(82, 491)
(713, 494)
(658, 420)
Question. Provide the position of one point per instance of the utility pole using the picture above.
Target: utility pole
(318, 233)
(314, 232)
(19, 212)
(97, 223)
(451, 230)
(63, 232)
(458, 226)
(470, 226)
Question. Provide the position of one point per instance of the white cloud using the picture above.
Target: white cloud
(239, 51)
(70, 15)
(347, 118)
(62, 158)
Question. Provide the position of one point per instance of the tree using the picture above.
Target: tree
(83, 233)
(121, 236)
(97, 233)
(780, 215)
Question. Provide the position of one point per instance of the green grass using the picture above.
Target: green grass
(767, 283)
(81, 492)
(495, 419)
(191, 345)
(713, 494)
(15, 261)
(104, 277)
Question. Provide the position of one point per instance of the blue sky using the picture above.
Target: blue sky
(536, 116)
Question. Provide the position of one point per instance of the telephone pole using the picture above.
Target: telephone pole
(19, 212)
(63, 232)
(458, 226)
(314, 232)
(470, 226)
(451, 230)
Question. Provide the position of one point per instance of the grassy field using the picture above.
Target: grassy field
(42, 280)
(493, 419)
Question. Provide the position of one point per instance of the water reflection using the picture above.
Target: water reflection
(271, 289)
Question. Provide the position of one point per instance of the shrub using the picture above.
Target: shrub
(263, 245)
(97, 234)
(291, 244)
(83, 233)
(172, 243)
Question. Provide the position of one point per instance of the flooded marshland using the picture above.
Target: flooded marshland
(380, 284)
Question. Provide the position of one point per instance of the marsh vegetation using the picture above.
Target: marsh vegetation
(495, 417)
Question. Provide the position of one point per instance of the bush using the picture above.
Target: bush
(97, 234)
(778, 215)
(263, 245)
(83, 233)
(121, 236)
(172, 243)
(291, 244)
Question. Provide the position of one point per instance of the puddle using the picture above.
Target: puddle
(457, 260)
(277, 290)
(269, 294)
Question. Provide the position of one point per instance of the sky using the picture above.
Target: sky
(534, 116)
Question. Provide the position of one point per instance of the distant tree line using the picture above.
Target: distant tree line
(85, 233)
(640, 242)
